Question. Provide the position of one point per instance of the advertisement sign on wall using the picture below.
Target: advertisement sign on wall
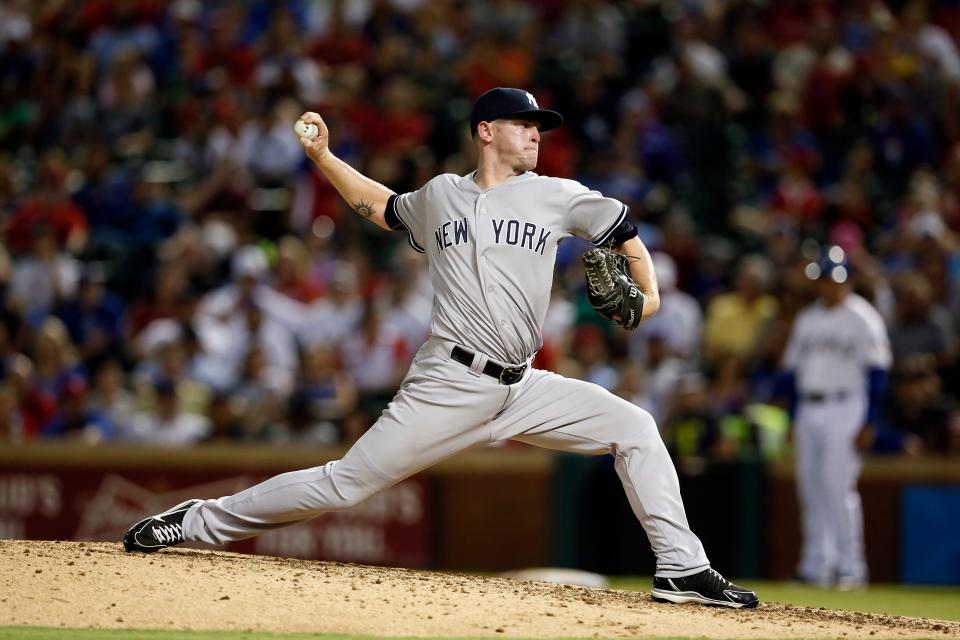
(390, 529)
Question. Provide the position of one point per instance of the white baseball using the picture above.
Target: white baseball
(306, 130)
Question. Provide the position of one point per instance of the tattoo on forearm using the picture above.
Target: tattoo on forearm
(363, 208)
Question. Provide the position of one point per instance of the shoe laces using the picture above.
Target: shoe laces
(719, 579)
(168, 533)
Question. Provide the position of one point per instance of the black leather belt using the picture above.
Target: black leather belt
(505, 375)
(836, 396)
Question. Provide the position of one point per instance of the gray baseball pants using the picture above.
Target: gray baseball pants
(443, 408)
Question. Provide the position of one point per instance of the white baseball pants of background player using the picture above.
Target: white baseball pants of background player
(443, 408)
(828, 466)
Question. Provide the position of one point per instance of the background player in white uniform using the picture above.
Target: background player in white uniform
(837, 355)
(491, 239)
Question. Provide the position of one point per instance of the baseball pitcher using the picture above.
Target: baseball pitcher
(491, 239)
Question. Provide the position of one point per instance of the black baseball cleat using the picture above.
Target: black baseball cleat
(158, 532)
(706, 587)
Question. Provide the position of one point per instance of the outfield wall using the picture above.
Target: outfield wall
(484, 510)
(490, 509)
(747, 516)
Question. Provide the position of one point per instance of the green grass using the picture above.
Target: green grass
(942, 603)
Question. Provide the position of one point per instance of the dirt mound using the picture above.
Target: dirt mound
(78, 584)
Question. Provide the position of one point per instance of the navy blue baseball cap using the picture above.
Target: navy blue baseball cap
(504, 102)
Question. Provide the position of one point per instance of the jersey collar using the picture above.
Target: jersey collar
(468, 182)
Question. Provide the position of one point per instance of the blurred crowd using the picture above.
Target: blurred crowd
(173, 272)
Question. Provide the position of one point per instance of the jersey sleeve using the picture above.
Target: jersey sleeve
(877, 353)
(590, 214)
(407, 212)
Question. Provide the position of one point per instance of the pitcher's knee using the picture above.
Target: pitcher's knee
(352, 499)
(335, 490)
(334, 498)
(639, 429)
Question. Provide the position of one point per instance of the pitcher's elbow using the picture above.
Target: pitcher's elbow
(651, 304)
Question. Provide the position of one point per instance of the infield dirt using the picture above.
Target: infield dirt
(77, 584)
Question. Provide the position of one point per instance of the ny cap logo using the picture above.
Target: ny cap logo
(531, 100)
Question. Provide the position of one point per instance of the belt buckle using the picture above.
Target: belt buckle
(514, 373)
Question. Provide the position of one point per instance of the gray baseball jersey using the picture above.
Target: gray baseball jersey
(492, 253)
(491, 256)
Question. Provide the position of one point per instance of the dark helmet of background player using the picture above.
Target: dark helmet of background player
(831, 265)
(505, 102)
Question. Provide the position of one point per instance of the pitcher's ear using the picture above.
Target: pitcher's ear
(485, 131)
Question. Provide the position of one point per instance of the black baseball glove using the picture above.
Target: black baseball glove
(610, 288)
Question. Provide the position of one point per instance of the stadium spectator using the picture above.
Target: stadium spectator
(43, 278)
(407, 308)
(226, 424)
(74, 419)
(664, 371)
(679, 321)
(727, 387)
(55, 357)
(94, 318)
(245, 312)
(915, 332)
(9, 336)
(11, 422)
(320, 404)
(168, 424)
(124, 98)
(376, 357)
(919, 410)
(592, 356)
(645, 140)
(259, 391)
(334, 318)
(109, 395)
(48, 212)
(691, 428)
(166, 349)
(733, 320)
(293, 274)
(264, 145)
(154, 199)
(794, 292)
(558, 327)
(33, 406)
(631, 386)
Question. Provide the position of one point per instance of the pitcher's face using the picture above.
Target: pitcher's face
(516, 142)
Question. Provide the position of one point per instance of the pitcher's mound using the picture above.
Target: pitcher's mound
(77, 584)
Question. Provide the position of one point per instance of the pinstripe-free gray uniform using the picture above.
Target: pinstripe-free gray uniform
(491, 255)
